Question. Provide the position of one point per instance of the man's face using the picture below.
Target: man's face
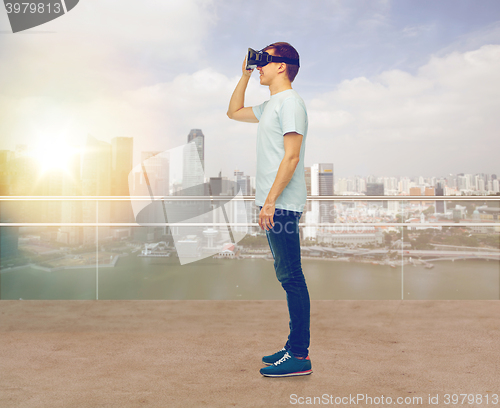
(269, 71)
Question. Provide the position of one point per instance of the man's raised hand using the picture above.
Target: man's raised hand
(244, 69)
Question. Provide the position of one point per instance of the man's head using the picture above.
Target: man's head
(283, 49)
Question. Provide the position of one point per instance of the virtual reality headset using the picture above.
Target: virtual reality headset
(261, 58)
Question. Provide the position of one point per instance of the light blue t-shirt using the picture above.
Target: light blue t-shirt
(284, 112)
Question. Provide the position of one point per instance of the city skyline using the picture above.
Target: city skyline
(172, 170)
(392, 87)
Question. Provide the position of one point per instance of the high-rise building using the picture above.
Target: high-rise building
(72, 209)
(193, 184)
(307, 175)
(25, 173)
(322, 184)
(496, 186)
(243, 182)
(198, 137)
(6, 157)
(361, 185)
(193, 164)
(404, 186)
(155, 168)
(121, 164)
(481, 185)
(325, 179)
(51, 184)
(158, 168)
(340, 187)
(441, 204)
(429, 191)
(390, 185)
(96, 181)
(244, 186)
(416, 191)
(376, 189)
(462, 183)
(221, 186)
(371, 179)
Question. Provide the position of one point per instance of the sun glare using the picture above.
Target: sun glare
(53, 155)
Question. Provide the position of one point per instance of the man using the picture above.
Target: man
(281, 193)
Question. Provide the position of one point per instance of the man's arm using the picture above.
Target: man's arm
(237, 110)
(292, 142)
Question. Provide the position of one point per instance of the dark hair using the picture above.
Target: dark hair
(283, 49)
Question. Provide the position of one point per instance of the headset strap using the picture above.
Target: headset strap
(273, 58)
(285, 60)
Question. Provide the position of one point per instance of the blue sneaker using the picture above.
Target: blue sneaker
(288, 366)
(268, 360)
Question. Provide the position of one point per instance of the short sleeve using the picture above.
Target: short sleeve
(257, 110)
(293, 116)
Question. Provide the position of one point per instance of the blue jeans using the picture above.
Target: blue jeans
(284, 241)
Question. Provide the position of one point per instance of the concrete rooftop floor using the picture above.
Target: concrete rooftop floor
(71, 354)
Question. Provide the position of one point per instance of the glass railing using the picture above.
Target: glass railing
(353, 247)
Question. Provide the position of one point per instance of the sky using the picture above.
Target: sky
(392, 87)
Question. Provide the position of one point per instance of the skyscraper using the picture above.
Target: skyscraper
(307, 175)
(5, 171)
(96, 181)
(121, 164)
(51, 183)
(441, 204)
(192, 181)
(71, 209)
(325, 179)
(325, 188)
(197, 136)
(243, 182)
(158, 172)
(322, 183)
(376, 189)
(154, 165)
(243, 185)
(25, 172)
(192, 172)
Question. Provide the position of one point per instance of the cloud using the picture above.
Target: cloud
(103, 48)
(443, 119)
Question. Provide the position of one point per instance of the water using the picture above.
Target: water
(136, 278)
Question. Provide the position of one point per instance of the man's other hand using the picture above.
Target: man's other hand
(266, 216)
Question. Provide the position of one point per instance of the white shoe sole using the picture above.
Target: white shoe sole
(289, 375)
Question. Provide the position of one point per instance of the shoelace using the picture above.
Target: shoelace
(282, 359)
